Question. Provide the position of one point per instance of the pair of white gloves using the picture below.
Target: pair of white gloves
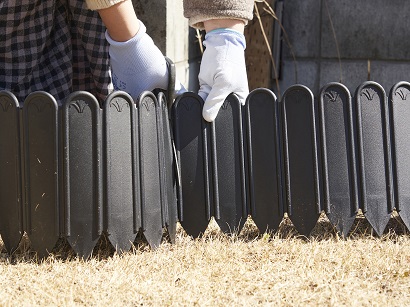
(138, 65)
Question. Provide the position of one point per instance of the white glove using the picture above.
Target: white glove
(222, 71)
(137, 65)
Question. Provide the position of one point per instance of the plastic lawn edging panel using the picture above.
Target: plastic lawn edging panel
(338, 156)
(81, 169)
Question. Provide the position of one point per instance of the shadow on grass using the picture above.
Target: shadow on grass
(323, 230)
(64, 251)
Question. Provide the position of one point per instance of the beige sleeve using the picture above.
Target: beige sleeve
(197, 11)
(101, 4)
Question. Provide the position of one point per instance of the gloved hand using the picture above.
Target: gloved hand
(222, 70)
(138, 65)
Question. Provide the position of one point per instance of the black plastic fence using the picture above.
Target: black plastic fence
(78, 170)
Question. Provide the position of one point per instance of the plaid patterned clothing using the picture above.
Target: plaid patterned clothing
(56, 46)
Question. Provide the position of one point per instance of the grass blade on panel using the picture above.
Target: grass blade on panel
(11, 196)
(338, 156)
(82, 172)
(373, 136)
(41, 147)
(264, 159)
(191, 137)
(301, 159)
(228, 170)
(120, 155)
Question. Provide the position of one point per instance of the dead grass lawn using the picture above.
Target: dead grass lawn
(218, 270)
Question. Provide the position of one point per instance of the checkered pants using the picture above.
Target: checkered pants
(56, 46)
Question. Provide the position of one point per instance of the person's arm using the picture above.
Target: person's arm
(121, 21)
(137, 64)
(234, 24)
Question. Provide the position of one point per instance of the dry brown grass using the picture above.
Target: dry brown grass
(217, 270)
